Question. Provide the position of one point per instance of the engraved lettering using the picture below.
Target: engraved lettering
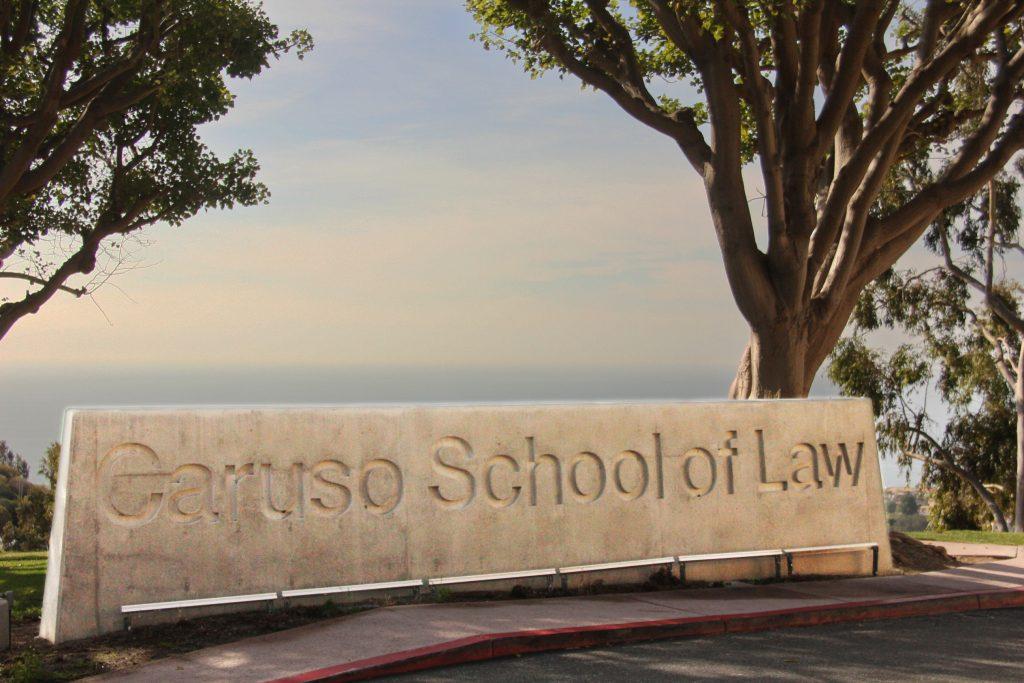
(842, 461)
(492, 496)
(462, 448)
(232, 478)
(339, 496)
(810, 463)
(135, 488)
(122, 467)
(729, 451)
(535, 462)
(202, 495)
(659, 465)
(574, 484)
(294, 497)
(765, 486)
(389, 503)
(620, 486)
(691, 456)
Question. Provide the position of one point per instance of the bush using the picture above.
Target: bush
(907, 523)
(908, 505)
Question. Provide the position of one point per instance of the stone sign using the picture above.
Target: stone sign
(171, 504)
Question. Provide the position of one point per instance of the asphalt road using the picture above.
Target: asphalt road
(977, 646)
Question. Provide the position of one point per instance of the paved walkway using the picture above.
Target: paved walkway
(977, 549)
(942, 648)
(392, 639)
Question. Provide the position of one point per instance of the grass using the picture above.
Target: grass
(992, 537)
(24, 574)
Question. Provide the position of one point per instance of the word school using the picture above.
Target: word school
(135, 490)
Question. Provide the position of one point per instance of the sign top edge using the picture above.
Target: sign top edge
(400, 405)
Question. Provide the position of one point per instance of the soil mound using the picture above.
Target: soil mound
(911, 555)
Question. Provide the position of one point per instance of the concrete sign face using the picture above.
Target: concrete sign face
(168, 504)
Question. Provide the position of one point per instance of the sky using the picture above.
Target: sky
(441, 227)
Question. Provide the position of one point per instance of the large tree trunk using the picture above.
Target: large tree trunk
(774, 365)
(781, 360)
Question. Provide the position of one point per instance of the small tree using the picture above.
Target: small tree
(25, 512)
(839, 101)
(102, 101)
(963, 318)
(48, 469)
(13, 460)
(49, 465)
(908, 505)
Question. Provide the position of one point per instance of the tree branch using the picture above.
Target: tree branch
(108, 103)
(82, 261)
(895, 119)
(848, 73)
(67, 47)
(680, 126)
(954, 186)
(10, 275)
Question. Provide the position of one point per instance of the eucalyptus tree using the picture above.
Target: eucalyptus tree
(953, 395)
(830, 97)
(102, 101)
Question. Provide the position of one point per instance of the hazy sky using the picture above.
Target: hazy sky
(432, 207)
(431, 204)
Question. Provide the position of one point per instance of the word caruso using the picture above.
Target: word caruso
(135, 489)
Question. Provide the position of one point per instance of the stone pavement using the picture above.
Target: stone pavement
(395, 639)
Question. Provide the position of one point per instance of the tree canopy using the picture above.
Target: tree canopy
(102, 101)
(843, 105)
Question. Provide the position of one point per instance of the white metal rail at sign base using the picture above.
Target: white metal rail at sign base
(354, 588)
(827, 548)
(873, 547)
(731, 556)
(473, 578)
(199, 602)
(616, 565)
(679, 560)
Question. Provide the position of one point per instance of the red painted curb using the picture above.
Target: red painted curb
(495, 645)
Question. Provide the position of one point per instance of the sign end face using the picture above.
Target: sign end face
(48, 625)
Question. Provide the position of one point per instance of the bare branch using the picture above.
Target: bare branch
(10, 275)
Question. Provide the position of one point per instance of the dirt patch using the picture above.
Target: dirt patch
(32, 659)
(912, 556)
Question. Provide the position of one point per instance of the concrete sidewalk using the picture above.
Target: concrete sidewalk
(396, 639)
(982, 550)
